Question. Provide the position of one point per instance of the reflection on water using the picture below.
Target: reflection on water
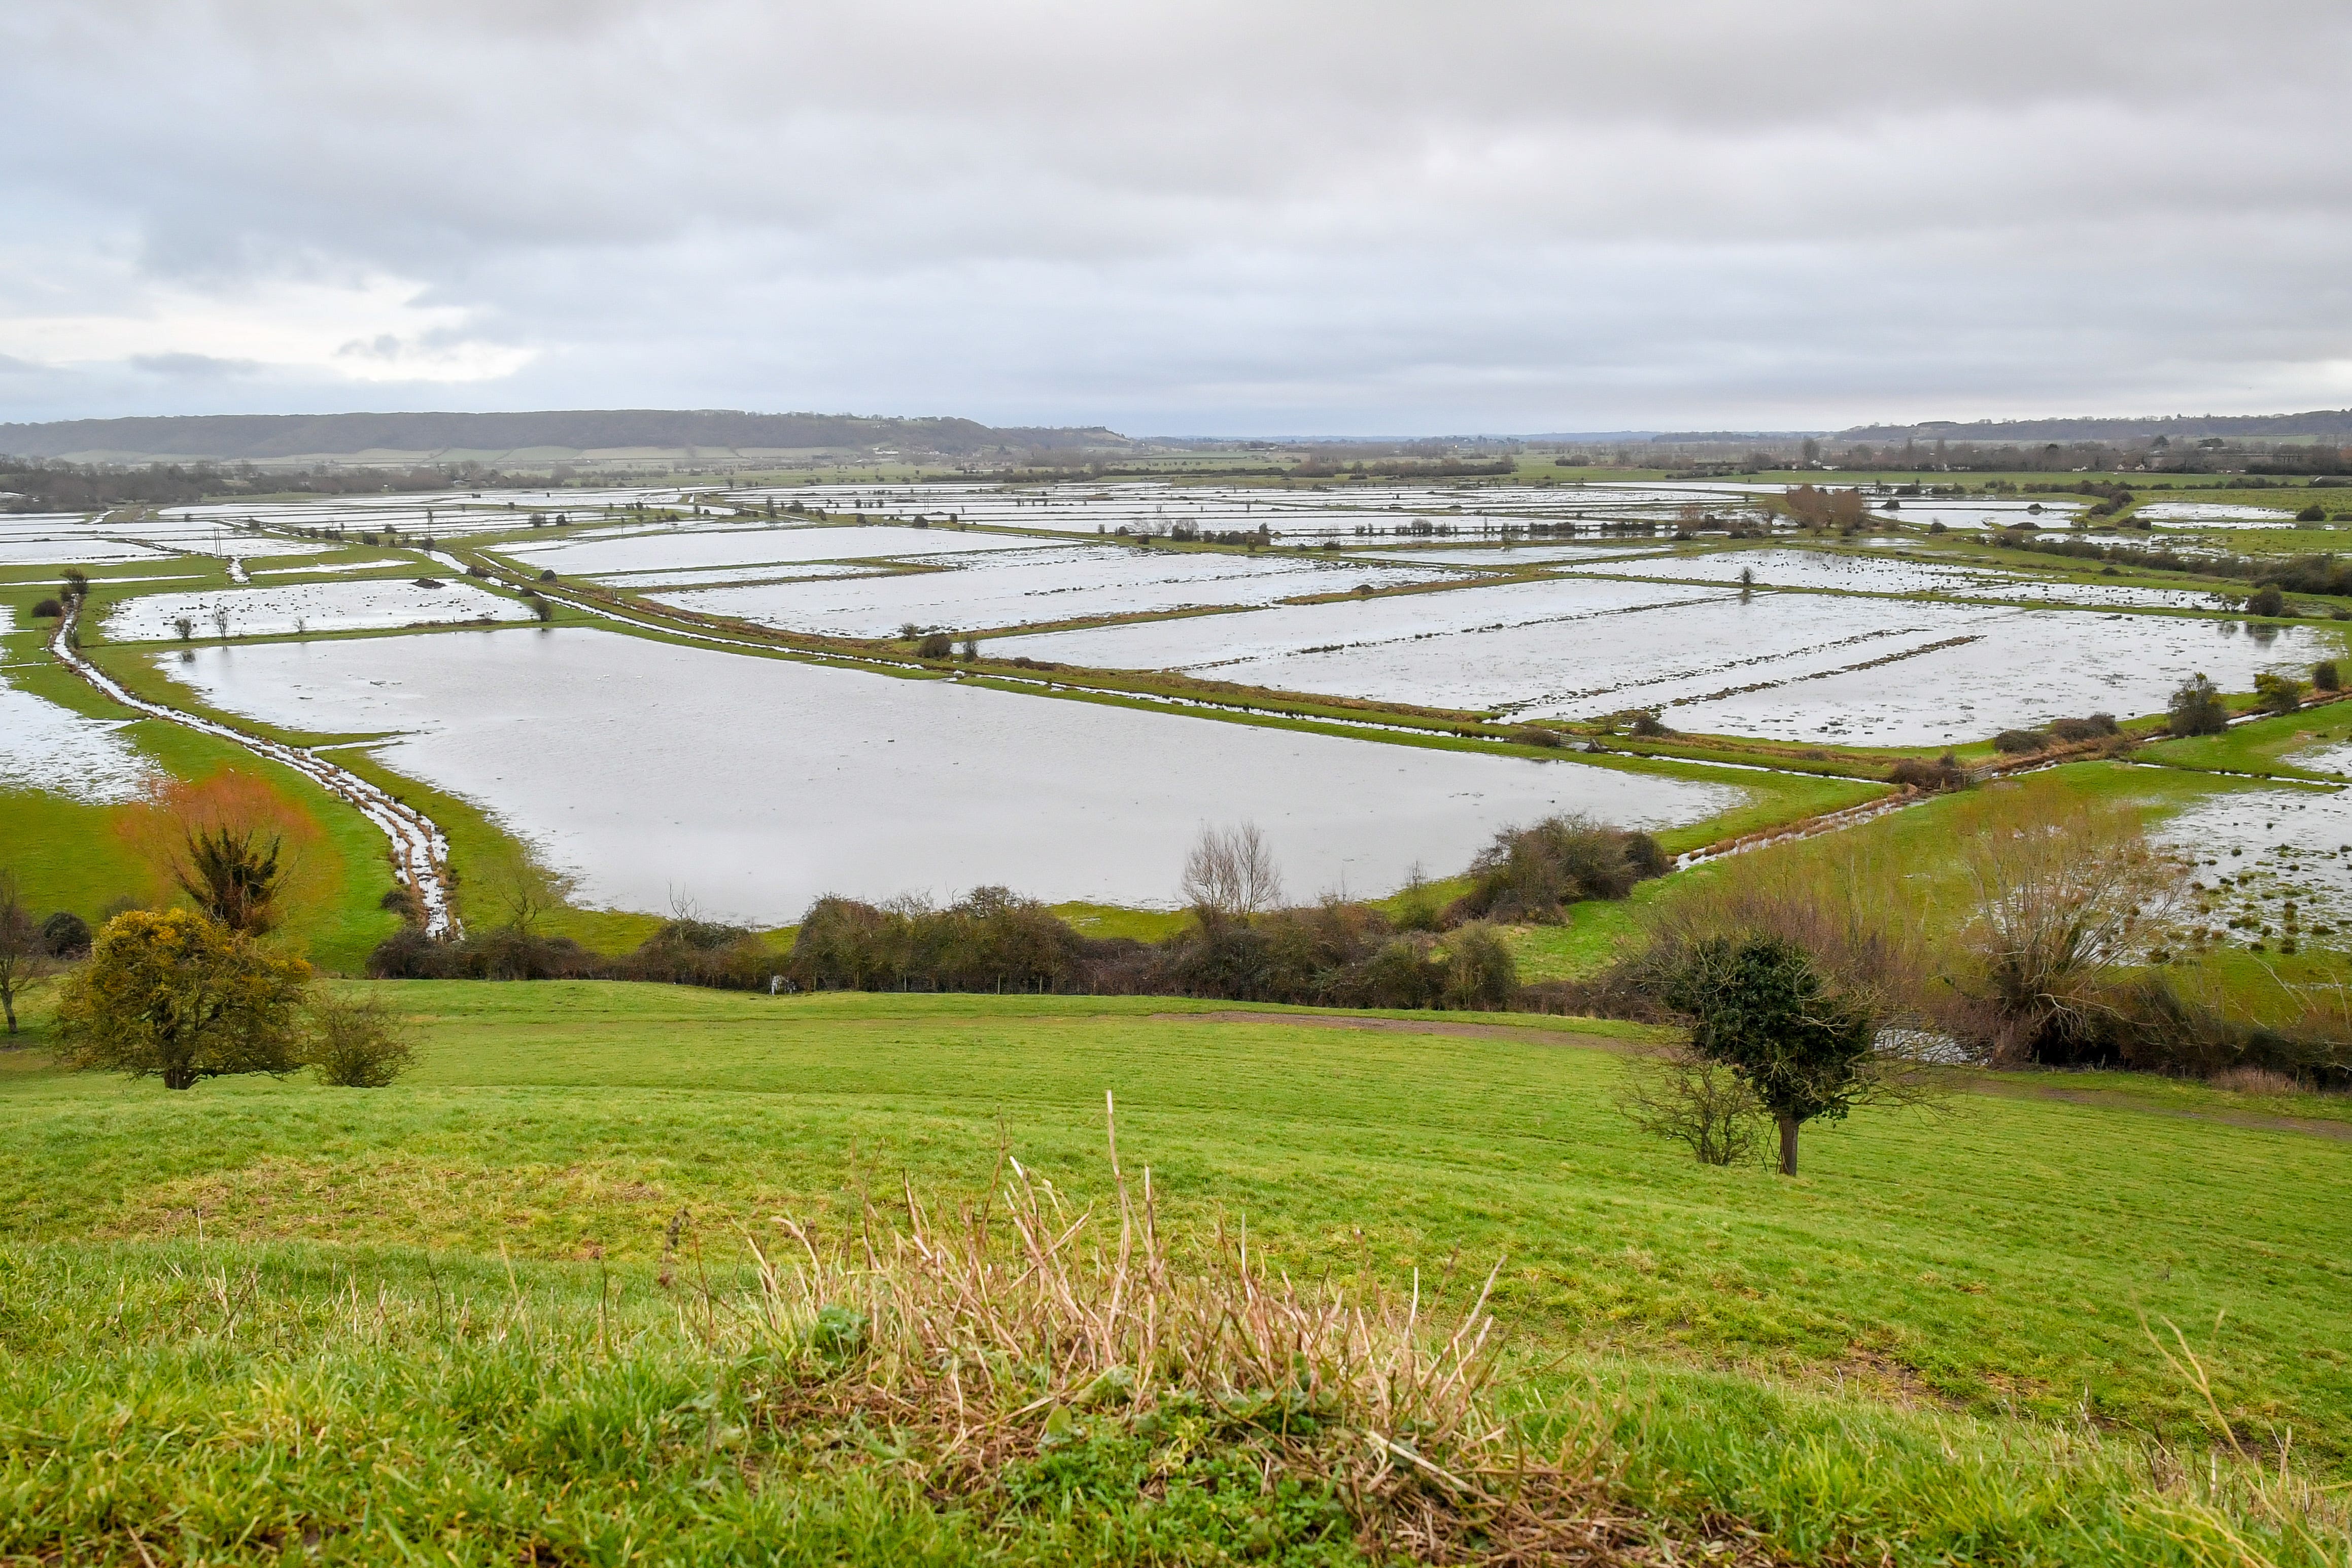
(756, 784)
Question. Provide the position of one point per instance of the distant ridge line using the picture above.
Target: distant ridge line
(262, 437)
(2174, 427)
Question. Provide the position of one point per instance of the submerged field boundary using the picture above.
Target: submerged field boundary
(420, 852)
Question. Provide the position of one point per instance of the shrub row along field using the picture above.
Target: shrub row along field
(508, 1307)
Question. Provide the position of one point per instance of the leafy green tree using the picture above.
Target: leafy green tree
(1762, 1007)
(2196, 708)
(2278, 694)
(178, 996)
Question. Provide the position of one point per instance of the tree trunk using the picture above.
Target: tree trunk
(1787, 1146)
(179, 1078)
(8, 1006)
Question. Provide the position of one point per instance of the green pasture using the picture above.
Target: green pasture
(262, 1306)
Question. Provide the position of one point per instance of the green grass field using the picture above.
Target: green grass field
(262, 1313)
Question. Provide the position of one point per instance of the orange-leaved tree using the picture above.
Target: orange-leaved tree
(242, 849)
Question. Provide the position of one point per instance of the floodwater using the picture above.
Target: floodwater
(1026, 587)
(2216, 514)
(657, 548)
(1879, 574)
(46, 747)
(753, 785)
(1827, 667)
(2257, 848)
(367, 604)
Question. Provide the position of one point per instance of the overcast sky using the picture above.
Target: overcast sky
(1277, 217)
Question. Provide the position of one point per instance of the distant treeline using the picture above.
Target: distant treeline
(2325, 574)
(1414, 952)
(89, 487)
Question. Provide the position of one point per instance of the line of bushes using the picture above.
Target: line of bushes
(1414, 953)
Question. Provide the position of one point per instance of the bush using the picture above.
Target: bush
(2326, 677)
(2196, 708)
(1480, 975)
(2074, 731)
(2021, 742)
(65, 935)
(1532, 873)
(1917, 773)
(1701, 1103)
(935, 645)
(2266, 600)
(2314, 513)
(1647, 722)
(358, 1043)
(2277, 693)
(182, 997)
(47, 608)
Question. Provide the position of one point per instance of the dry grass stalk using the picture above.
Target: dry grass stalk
(1023, 1322)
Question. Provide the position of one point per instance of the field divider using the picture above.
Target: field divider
(420, 850)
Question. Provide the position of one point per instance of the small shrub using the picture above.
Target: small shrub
(2326, 677)
(1536, 735)
(1917, 773)
(2075, 730)
(2278, 694)
(65, 935)
(2314, 513)
(548, 575)
(935, 645)
(358, 1043)
(1647, 722)
(1532, 873)
(2021, 742)
(47, 609)
(2266, 600)
(2257, 1083)
(2196, 708)
(1705, 1105)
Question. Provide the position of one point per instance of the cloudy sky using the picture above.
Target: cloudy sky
(1289, 216)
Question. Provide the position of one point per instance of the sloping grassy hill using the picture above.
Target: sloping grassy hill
(1930, 1348)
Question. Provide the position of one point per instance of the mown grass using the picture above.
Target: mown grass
(1993, 1259)
(261, 1309)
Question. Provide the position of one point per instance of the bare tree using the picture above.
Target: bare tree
(2061, 906)
(1706, 1104)
(1230, 873)
(24, 958)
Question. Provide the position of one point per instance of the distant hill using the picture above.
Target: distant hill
(2319, 424)
(267, 437)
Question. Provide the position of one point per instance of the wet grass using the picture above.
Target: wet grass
(1932, 1339)
(2265, 745)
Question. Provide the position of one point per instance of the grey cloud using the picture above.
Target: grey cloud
(191, 366)
(1221, 217)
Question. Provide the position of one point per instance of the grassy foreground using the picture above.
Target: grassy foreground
(464, 1319)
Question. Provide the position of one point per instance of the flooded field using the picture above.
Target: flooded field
(1879, 574)
(364, 604)
(2216, 514)
(1025, 586)
(805, 780)
(1803, 666)
(661, 548)
(46, 747)
(2259, 850)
